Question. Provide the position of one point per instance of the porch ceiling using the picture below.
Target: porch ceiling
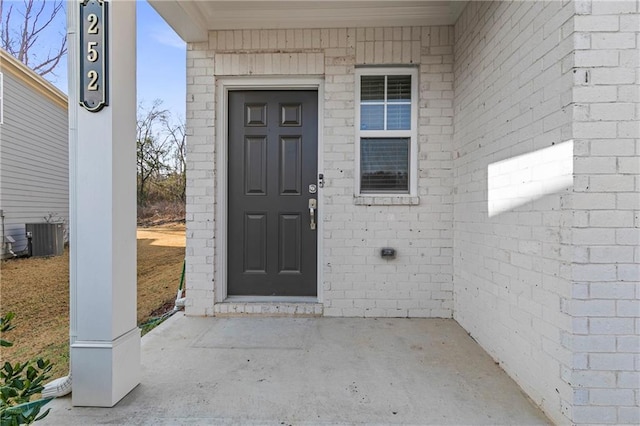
(192, 19)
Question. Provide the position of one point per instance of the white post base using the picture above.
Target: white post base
(105, 372)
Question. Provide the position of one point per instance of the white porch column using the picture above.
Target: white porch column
(105, 340)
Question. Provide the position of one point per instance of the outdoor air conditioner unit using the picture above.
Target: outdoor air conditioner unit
(47, 239)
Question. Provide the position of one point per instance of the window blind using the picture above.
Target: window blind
(384, 164)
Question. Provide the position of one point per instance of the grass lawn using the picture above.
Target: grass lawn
(37, 290)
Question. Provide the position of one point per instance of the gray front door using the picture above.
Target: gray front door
(273, 167)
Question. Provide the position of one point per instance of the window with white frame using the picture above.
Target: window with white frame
(386, 130)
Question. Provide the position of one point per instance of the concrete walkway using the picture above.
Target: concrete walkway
(293, 371)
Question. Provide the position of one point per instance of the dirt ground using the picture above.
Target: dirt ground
(37, 290)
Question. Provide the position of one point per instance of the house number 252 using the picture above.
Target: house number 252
(93, 54)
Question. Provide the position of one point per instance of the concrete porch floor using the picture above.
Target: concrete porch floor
(292, 371)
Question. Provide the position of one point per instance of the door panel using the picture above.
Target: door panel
(289, 242)
(255, 166)
(290, 165)
(273, 157)
(255, 243)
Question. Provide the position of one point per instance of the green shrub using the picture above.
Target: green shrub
(19, 383)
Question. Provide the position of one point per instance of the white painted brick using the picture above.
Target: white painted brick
(591, 236)
(613, 41)
(628, 237)
(590, 378)
(611, 326)
(608, 147)
(596, 23)
(613, 254)
(628, 379)
(613, 7)
(628, 201)
(612, 290)
(629, 415)
(593, 308)
(580, 290)
(630, 22)
(596, 130)
(595, 94)
(612, 397)
(629, 92)
(628, 308)
(594, 415)
(611, 362)
(580, 397)
(612, 76)
(612, 183)
(611, 112)
(628, 344)
(629, 58)
(593, 344)
(629, 129)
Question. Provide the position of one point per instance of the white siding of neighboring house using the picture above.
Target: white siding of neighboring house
(34, 168)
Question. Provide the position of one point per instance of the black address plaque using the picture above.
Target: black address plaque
(93, 54)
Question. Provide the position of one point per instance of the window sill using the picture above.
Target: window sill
(386, 200)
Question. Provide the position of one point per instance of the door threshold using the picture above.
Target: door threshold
(273, 306)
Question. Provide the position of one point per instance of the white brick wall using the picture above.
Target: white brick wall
(513, 164)
(357, 282)
(563, 320)
(200, 180)
(607, 195)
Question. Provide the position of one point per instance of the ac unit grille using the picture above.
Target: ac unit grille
(47, 239)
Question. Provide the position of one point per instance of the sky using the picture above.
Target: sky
(161, 72)
(161, 62)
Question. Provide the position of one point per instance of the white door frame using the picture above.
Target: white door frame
(223, 86)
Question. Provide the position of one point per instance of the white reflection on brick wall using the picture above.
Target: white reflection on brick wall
(517, 181)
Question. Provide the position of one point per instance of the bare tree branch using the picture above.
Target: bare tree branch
(151, 149)
(176, 134)
(50, 64)
(21, 40)
(5, 34)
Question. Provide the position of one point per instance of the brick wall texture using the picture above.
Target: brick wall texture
(546, 161)
(356, 280)
(512, 178)
(605, 273)
(526, 224)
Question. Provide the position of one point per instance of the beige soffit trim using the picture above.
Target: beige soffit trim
(10, 65)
